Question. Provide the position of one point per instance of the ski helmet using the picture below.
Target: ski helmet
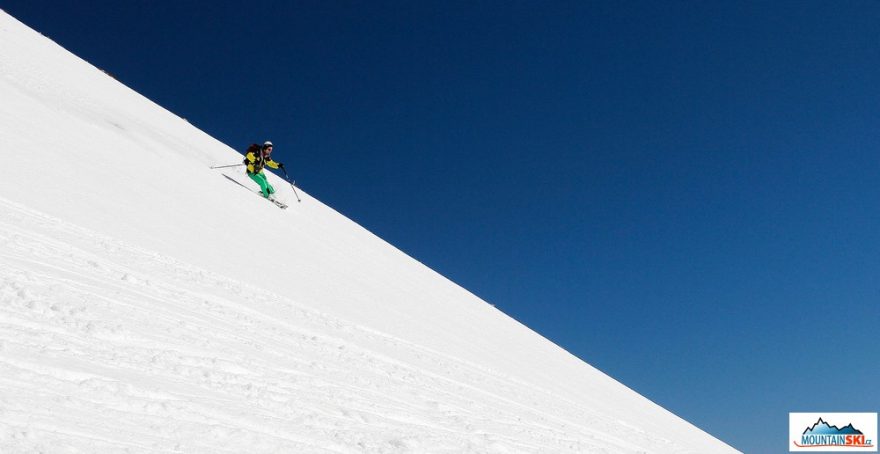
(267, 144)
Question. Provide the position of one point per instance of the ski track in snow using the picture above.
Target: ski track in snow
(105, 347)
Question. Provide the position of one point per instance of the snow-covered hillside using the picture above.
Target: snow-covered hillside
(148, 304)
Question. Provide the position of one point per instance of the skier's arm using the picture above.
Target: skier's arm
(274, 164)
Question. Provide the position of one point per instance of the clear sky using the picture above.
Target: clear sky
(683, 194)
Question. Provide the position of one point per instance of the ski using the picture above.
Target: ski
(274, 201)
(277, 202)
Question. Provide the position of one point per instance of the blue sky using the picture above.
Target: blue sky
(683, 194)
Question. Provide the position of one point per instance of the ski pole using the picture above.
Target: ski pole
(223, 167)
(292, 186)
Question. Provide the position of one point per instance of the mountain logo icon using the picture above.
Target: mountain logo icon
(823, 428)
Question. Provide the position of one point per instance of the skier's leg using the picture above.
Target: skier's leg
(264, 185)
(260, 179)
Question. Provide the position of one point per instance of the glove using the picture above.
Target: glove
(280, 165)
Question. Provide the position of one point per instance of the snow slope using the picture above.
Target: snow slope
(148, 304)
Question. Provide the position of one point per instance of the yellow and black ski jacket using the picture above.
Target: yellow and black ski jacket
(256, 161)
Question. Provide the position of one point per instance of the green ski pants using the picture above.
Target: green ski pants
(260, 179)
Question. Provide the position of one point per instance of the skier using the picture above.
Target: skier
(256, 158)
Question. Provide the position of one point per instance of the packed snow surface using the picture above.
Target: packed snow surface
(150, 304)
